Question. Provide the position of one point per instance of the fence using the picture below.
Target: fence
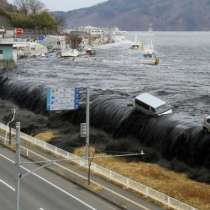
(109, 174)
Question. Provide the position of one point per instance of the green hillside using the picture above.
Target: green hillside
(10, 16)
(4, 17)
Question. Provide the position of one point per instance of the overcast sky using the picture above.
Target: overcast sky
(66, 5)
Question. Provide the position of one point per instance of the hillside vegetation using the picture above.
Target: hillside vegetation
(138, 14)
(39, 19)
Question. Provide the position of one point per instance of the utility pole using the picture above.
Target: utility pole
(18, 170)
(87, 124)
(88, 133)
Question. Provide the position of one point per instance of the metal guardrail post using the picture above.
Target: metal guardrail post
(10, 134)
(127, 183)
(168, 201)
(110, 174)
(147, 191)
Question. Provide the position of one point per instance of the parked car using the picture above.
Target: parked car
(151, 105)
(206, 123)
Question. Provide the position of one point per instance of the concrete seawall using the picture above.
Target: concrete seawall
(9, 64)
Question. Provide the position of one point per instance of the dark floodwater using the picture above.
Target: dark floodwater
(182, 78)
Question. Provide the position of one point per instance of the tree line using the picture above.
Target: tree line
(31, 14)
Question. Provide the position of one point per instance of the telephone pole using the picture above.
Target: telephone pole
(18, 170)
(87, 125)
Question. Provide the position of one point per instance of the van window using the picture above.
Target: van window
(163, 108)
(142, 104)
(151, 108)
(1, 52)
(208, 120)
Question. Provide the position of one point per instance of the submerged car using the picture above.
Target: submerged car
(206, 123)
(151, 105)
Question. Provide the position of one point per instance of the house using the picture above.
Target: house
(76, 38)
(2, 32)
(8, 55)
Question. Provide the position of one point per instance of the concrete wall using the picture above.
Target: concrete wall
(6, 52)
(8, 57)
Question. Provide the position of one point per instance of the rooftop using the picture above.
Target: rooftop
(150, 100)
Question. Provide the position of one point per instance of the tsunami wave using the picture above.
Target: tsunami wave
(112, 112)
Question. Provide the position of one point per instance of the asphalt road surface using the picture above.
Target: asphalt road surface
(43, 190)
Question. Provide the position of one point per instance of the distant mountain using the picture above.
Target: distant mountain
(138, 14)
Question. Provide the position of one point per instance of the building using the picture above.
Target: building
(54, 42)
(78, 38)
(93, 31)
(8, 56)
(92, 35)
(2, 32)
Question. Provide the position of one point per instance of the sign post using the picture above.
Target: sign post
(88, 133)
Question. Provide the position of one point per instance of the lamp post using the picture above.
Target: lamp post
(18, 170)
(87, 124)
(85, 133)
(88, 133)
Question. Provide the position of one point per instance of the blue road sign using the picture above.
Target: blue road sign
(63, 99)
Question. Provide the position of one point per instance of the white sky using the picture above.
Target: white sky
(66, 5)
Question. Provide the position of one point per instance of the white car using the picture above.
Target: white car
(152, 105)
(206, 123)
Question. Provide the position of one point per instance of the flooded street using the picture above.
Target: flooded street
(182, 78)
(115, 76)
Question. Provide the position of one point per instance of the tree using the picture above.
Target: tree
(60, 21)
(29, 6)
(22, 6)
(20, 20)
(44, 21)
(35, 6)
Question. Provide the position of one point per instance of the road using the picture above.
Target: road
(43, 190)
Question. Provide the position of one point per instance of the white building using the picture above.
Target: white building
(93, 31)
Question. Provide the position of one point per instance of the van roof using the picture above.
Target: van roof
(150, 100)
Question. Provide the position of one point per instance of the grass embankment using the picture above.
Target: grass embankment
(174, 184)
(46, 136)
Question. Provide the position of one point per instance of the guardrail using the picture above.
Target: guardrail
(107, 173)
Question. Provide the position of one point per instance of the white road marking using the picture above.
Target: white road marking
(5, 157)
(104, 187)
(7, 185)
(51, 184)
(94, 182)
(41, 209)
(59, 188)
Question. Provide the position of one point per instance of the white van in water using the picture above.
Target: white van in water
(152, 105)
